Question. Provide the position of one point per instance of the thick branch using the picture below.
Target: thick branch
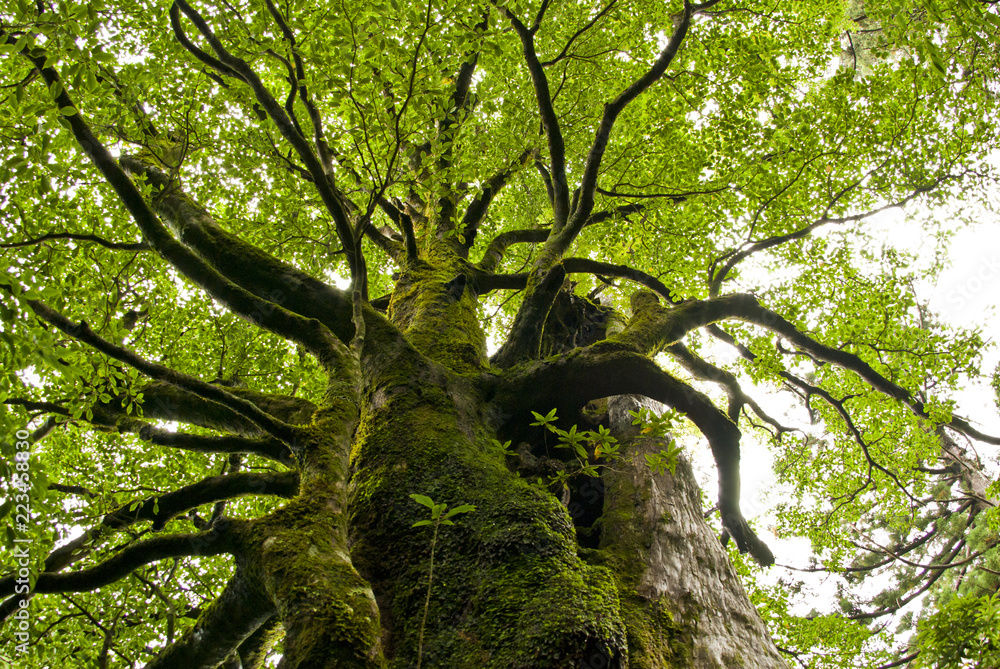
(458, 108)
(609, 368)
(240, 301)
(525, 337)
(268, 448)
(163, 401)
(495, 251)
(585, 265)
(476, 211)
(248, 410)
(550, 122)
(485, 282)
(283, 286)
(618, 212)
(612, 110)
(253, 651)
(250, 268)
(161, 509)
(229, 621)
(238, 68)
(543, 172)
(216, 541)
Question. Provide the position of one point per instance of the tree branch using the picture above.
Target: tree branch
(590, 24)
(164, 401)
(768, 319)
(82, 332)
(238, 68)
(484, 282)
(585, 265)
(608, 368)
(299, 75)
(496, 249)
(160, 509)
(114, 246)
(241, 609)
(254, 649)
(282, 286)
(705, 370)
(216, 541)
(524, 341)
(267, 448)
(550, 122)
(653, 327)
(612, 110)
(735, 257)
(240, 301)
(476, 211)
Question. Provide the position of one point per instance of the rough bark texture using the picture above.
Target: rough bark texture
(677, 581)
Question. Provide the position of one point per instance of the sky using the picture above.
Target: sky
(966, 293)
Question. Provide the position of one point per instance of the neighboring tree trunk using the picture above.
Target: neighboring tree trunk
(683, 604)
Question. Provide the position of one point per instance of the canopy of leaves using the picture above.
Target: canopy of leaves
(753, 164)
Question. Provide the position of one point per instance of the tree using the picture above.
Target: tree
(439, 258)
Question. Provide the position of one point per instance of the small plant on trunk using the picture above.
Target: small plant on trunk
(440, 515)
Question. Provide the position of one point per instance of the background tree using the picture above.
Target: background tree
(454, 250)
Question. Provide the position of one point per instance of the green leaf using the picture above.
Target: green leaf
(422, 499)
(464, 508)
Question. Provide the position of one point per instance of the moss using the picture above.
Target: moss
(508, 590)
(438, 314)
(656, 639)
(326, 607)
(301, 554)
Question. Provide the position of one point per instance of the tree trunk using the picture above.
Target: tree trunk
(683, 603)
(509, 589)
(512, 587)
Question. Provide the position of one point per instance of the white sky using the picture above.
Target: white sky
(967, 294)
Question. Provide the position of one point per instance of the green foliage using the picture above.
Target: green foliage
(963, 634)
(440, 513)
(595, 449)
(774, 121)
(659, 427)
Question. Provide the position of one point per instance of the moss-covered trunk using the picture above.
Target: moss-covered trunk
(508, 588)
(512, 586)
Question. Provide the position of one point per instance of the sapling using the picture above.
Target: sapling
(440, 515)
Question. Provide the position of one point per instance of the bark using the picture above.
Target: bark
(508, 588)
(683, 601)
